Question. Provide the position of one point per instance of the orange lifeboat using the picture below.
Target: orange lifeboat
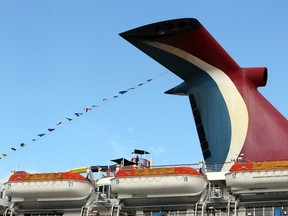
(257, 177)
(48, 186)
(158, 182)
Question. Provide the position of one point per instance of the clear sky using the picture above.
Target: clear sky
(59, 57)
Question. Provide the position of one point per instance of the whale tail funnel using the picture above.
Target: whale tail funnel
(231, 116)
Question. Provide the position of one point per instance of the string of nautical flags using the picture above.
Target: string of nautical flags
(76, 115)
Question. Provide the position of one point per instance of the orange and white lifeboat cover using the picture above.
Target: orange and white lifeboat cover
(48, 186)
(258, 176)
(158, 182)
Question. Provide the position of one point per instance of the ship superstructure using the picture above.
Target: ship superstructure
(133, 187)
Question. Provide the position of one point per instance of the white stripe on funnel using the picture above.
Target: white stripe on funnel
(235, 104)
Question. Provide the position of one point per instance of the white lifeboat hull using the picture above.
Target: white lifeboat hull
(257, 181)
(159, 186)
(48, 190)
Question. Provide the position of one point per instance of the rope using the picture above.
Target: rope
(77, 115)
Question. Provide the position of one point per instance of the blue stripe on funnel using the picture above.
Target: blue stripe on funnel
(210, 102)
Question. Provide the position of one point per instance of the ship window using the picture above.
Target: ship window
(207, 154)
(106, 189)
(277, 211)
(204, 145)
(155, 213)
(201, 133)
(100, 188)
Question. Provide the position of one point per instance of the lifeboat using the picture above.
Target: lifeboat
(258, 177)
(48, 186)
(130, 182)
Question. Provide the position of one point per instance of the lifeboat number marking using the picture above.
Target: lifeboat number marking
(70, 184)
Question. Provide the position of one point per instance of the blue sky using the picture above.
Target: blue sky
(58, 57)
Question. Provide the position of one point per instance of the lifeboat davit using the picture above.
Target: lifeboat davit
(48, 186)
(258, 177)
(132, 182)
